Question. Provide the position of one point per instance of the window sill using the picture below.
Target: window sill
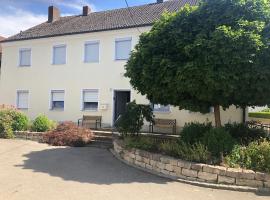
(58, 64)
(120, 60)
(85, 110)
(162, 112)
(24, 66)
(24, 109)
(57, 109)
(96, 62)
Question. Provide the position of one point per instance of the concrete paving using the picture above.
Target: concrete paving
(33, 171)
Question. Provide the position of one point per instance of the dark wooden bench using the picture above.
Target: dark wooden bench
(163, 123)
(87, 120)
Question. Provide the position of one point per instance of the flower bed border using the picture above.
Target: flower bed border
(202, 174)
(29, 135)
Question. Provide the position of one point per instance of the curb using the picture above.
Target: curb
(262, 191)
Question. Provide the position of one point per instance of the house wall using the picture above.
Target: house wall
(75, 75)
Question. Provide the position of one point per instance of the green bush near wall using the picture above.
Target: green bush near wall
(265, 115)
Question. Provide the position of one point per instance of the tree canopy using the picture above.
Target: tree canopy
(214, 54)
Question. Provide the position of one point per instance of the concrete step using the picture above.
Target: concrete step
(100, 144)
(103, 138)
(102, 133)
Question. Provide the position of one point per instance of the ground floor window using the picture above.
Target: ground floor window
(90, 99)
(22, 99)
(57, 99)
(161, 108)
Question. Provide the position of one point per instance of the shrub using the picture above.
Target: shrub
(132, 120)
(196, 152)
(42, 124)
(265, 110)
(194, 132)
(265, 115)
(146, 143)
(245, 134)
(5, 126)
(18, 120)
(255, 156)
(68, 134)
(218, 141)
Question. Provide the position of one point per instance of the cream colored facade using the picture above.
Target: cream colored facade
(74, 76)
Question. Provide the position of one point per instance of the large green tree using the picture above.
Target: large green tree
(215, 54)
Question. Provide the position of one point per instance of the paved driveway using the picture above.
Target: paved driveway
(33, 171)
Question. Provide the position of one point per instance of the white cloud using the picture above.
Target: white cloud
(75, 4)
(14, 19)
(18, 20)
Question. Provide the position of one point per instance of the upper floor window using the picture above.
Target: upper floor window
(90, 100)
(25, 57)
(91, 52)
(59, 54)
(57, 99)
(122, 48)
(22, 99)
(161, 108)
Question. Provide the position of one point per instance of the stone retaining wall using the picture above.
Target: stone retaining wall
(192, 171)
(28, 135)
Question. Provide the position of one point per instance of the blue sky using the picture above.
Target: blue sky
(17, 15)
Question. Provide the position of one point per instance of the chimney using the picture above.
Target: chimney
(159, 1)
(53, 14)
(86, 10)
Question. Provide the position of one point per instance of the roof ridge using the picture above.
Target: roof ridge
(124, 8)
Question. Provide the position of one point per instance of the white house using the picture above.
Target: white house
(72, 66)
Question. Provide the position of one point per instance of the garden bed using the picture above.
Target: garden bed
(182, 169)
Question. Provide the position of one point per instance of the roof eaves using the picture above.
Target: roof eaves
(75, 33)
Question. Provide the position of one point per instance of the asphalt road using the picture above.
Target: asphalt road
(33, 171)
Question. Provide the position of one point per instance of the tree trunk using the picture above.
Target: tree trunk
(217, 115)
(244, 114)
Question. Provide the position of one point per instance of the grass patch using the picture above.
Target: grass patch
(264, 115)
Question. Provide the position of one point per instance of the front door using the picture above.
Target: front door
(121, 98)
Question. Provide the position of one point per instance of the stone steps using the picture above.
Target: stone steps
(102, 139)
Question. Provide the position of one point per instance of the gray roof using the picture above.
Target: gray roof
(136, 16)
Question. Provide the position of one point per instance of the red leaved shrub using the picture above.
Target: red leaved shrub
(68, 134)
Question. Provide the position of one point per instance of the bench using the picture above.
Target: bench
(163, 123)
(87, 120)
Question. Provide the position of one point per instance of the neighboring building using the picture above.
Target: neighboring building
(1, 39)
(73, 66)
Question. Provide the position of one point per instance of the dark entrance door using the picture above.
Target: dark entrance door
(121, 98)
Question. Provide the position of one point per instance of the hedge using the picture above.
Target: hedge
(265, 115)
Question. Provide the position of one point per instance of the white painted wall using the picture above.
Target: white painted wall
(106, 76)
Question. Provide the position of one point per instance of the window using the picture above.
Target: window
(22, 99)
(59, 55)
(57, 99)
(122, 48)
(91, 52)
(25, 57)
(161, 108)
(90, 100)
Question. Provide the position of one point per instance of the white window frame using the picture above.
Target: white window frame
(53, 59)
(84, 53)
(19, 61)
(82, 100)
(17, 99)
(51, 96)
(115, 49)
(160, 111)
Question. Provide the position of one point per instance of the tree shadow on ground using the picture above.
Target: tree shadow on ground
(86, 165)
